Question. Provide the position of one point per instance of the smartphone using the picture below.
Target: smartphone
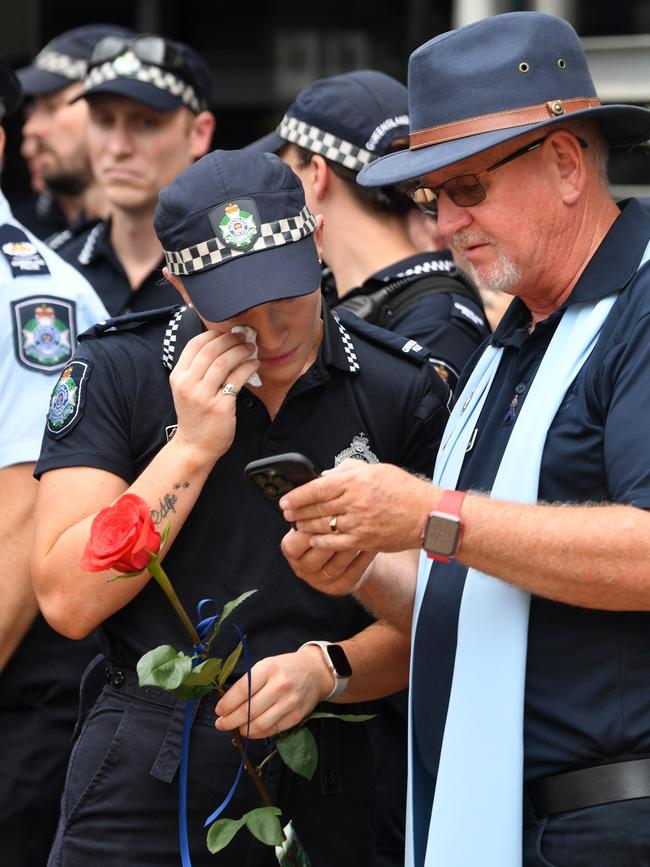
(275, 476)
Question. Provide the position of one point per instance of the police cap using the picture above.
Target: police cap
(236, 230)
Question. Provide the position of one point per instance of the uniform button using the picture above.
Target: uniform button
(520, 388)
(247, 402)
(330, 779)
(118, 678)
(272, 446)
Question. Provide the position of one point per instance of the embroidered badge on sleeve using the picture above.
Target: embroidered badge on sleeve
(66, 401)
(45, 332)
(21, 254)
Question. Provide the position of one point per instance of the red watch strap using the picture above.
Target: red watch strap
(451, 502)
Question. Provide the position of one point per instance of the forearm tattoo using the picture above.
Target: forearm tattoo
(166, 505)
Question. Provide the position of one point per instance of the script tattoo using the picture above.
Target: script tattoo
(166, 505)
(178, 485)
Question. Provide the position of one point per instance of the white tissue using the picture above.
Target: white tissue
(250, 336)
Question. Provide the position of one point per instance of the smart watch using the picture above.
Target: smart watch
(443, 528)
(338, 664)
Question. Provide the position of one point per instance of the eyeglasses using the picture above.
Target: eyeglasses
(467, 190)
(149, 49)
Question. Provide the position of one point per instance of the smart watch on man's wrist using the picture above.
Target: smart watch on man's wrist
(443, 528)
(338, 664)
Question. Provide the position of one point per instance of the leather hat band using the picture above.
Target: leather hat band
(500, 120)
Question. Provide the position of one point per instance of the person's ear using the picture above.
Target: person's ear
(320, 176)
(318, 235)
(203, 129)
(568, 160)
(177, 283)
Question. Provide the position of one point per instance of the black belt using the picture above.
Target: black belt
(588, 787)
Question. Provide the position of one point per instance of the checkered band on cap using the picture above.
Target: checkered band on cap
(324, 143)
(73, 68)
(214, 251)
(160, 78)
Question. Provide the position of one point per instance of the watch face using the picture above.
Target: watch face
(441, 535)
(339, 660)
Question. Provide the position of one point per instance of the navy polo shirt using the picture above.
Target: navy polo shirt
(92, 253)
(360, 398)
(587, 698)
(450, 324)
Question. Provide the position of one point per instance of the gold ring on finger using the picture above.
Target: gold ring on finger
(333, 525)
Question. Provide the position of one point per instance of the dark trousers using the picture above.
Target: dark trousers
(115, 813)
(610, 835)
(39, 695)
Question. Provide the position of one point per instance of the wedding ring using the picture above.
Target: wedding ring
(229, 388)
(333, 526)
(276, 730)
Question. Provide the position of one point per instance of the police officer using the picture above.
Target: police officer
(54, 136)
(334, 128)
(239, 244)
(46, 303)
(148, 120)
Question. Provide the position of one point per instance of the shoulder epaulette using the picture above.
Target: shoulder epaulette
(128, 321)
(403, 346)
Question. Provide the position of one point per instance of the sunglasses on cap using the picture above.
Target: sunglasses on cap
(153, 50)
(467, 190)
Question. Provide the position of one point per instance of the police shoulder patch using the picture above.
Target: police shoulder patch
(45, 332)
(67, 399)
(21, 254)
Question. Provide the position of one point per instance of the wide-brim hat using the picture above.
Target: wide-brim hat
(494, 80)
(235, 229)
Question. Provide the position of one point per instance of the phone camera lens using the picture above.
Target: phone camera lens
(271, 490)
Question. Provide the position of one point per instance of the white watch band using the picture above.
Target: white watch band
(340, 683)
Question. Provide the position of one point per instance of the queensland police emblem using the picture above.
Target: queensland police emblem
(237, 222)
(66, 399)
(358, 449)
(44, 332)
(126, 64)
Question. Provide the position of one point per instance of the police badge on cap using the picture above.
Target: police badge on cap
(237, 222)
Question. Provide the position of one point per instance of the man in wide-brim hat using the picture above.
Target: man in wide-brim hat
(531, 637)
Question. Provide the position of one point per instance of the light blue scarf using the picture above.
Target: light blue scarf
(476, 819)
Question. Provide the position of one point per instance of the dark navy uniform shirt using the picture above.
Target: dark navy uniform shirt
(360, 398)
(588, 672)
(92, 253)
(450, 324)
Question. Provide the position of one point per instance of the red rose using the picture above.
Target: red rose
(121, 537)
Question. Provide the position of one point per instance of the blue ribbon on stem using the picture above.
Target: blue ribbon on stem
(203, 628)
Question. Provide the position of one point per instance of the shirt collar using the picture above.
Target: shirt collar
(609, 270)
(337, 346)
(420, 263)
(97, 243)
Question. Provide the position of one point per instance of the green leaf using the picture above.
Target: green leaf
(164, 667)
(204, 674)
(298, 751)
(264, 824)
(228, 608)
(221, 832)
(346, 717)
(192, 693)
(229, 664)
(125, 575)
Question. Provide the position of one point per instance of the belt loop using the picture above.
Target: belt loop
(330, 754)
(169, 755)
